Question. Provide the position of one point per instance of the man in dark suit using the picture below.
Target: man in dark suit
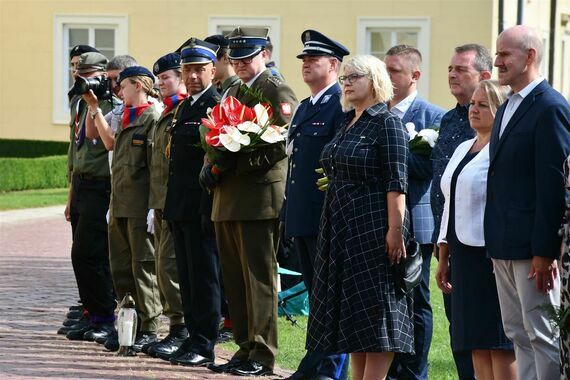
(315, 123)
(197, 265)
(526, 199)
(248, 196)
(403, 64)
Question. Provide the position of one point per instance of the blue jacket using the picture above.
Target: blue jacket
(525, 185)
(311, 128)
(423, 115)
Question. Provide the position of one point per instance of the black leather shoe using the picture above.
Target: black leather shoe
(74, 314)
(143, 337)
(101, 331)
(192, 359)
(112, 343)
(103, 339)
(76, 307)
(251, 368)
(70, 322)
(79, 333)
(227, 367)
(182, 350)
(80, 324)
(166, 347)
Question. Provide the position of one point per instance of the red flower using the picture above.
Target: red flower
(235, 112)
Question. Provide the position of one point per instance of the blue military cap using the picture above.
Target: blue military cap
(135, 71)
(80, 49)
(166, 62)
(247, 42)
(198, 51)
(218, 39)
(317, 43)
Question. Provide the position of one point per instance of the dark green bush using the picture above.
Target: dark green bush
(32, 148)
(33, 173)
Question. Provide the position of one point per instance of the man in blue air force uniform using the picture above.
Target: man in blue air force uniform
(315, 122)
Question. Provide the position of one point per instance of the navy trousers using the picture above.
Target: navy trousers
(314, 363)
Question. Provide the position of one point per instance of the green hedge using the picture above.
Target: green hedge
(33, 173)
(32, 148)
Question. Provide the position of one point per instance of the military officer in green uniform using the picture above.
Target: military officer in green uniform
(131, 251)
(246, 206)
(91, 188)
(225, 76)
(168, 71)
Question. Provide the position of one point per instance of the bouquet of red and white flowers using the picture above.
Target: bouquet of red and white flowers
(235, 127)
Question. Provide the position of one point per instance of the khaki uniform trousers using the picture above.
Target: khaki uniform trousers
(249, 267)
(166, 271)
(131, 256)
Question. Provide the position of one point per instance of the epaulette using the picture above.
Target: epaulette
(275, 81)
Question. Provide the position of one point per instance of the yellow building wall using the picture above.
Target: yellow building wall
(156, 27)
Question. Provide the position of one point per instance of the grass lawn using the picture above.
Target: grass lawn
(292, 340)
(32, 198)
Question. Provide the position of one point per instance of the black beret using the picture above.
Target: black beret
(80, 49)
(135, 71)
(218, 39)
(166, 62)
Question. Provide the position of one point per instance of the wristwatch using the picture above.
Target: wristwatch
(95, 112)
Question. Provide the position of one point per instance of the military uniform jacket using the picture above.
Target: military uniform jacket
(73, 112)
(131, 177)
(159, 161)
(184, 197)
(312, 127)
(91, 158)
(253, 188)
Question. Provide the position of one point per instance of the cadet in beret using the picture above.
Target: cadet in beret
(316, 121)
(197, 262)
(247, 226)
(91, 187)
(225, 75)
(130, 249)
(168, 71)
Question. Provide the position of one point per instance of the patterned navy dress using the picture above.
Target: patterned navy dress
(354, 307)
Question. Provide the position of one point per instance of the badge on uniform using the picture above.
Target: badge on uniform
(138, 140)
(326, 98)
(286, 109)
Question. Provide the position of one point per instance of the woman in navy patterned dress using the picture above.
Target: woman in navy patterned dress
(354, 305)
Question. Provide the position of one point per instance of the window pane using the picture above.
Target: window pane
(78, 37)
(379, 43)
(104, 39)
(408, 38)
(109, 53)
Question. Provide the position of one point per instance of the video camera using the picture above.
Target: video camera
(100, 85)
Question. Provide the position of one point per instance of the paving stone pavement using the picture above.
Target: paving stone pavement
(36, 287)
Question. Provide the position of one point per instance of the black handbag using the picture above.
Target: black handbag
(408, 272)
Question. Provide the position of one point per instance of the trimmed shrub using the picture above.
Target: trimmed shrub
(32, 148)
(33, 173)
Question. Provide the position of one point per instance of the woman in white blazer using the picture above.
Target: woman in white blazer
(475, 311)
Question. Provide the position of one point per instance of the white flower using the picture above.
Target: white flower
(249, 126)
(261, 114)
(429, 135)
(232, 139)
(411, 130)
(272, 135)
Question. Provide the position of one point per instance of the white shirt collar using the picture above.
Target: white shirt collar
(250, 83)
(195, 97)
(529, 87)
(402, 107)
(315, 99)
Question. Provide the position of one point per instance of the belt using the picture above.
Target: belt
(88, 177)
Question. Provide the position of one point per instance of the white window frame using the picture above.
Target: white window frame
(60, 106)
(424, 38)
(274, 23)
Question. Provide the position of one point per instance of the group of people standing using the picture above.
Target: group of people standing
(488, 202)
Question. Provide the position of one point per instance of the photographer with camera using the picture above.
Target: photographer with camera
(131, 251)
(91, 188)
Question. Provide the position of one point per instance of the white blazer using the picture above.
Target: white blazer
(470, 196)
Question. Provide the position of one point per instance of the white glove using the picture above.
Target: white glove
(107, 216)
(150, 221)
